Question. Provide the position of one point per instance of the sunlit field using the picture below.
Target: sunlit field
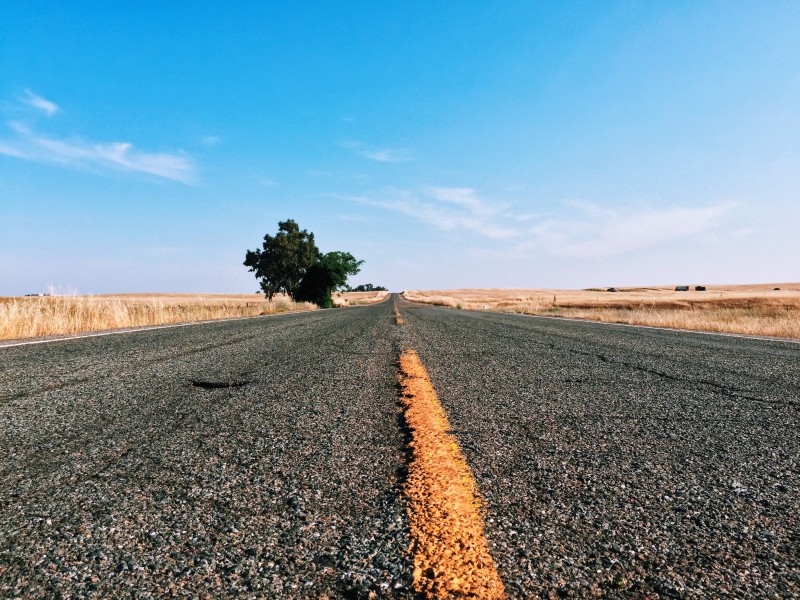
(746, 309)
(25, 317)
(358, 298)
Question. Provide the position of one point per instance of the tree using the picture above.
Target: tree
(368, 287)
(290, 262)
(341, 265)
(327, 275)
(316, 286)
(284, 259)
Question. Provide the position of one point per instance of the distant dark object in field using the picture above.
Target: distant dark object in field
(777, 290)
(612, 290)
(699, 288)
(682, 288)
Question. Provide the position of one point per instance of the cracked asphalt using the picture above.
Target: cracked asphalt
(266, 457)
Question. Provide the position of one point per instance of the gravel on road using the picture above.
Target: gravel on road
(266, 458)
(258, 458)
(624, 462)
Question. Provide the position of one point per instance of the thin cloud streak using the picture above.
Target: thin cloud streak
(587, 231)
(113, 156)
(36, 101)
(607, 233)
(381, 155)
(449, 209)
(390, 156)
(10, 150)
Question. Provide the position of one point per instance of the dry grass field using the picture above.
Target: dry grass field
(358, 298)
(25, 317)
(746, 309)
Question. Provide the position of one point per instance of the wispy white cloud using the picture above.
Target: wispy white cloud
(582, 230)
(602, 233)
(449, 209)
(211, 140)
(379, 155)
(36, 101)
(390, 156)
(11, 150)
(27, 144)
(525, 216)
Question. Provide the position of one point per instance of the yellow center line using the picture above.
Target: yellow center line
(398, 319)
(451, 554)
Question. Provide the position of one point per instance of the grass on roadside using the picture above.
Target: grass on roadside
(55, 315)
(726, 309)
(775, 321)
(358, 298)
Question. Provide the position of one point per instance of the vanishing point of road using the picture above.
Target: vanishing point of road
(269, 457)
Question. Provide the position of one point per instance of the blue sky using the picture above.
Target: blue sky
(144, 147)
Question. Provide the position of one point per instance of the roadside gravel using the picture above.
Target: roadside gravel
(624, 462)
(257, 458)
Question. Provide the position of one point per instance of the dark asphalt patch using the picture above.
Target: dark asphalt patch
(217, 385)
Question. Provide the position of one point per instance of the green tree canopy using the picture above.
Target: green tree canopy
(283, 260)
(341, 266)
(316, 286)
(368, 287)
(327, 275)
(290, 262)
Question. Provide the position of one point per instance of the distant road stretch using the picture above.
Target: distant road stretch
(267, 457)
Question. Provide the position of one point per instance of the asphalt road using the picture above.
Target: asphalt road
(621, 461)
(258, 457)
(266, 457)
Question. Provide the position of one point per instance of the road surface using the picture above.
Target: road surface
(266, 457)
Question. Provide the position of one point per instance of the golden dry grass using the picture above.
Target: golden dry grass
(745, 309)
(358, 298)
(57, 315)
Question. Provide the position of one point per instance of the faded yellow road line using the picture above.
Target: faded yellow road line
(398, 319)
(451, 554)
